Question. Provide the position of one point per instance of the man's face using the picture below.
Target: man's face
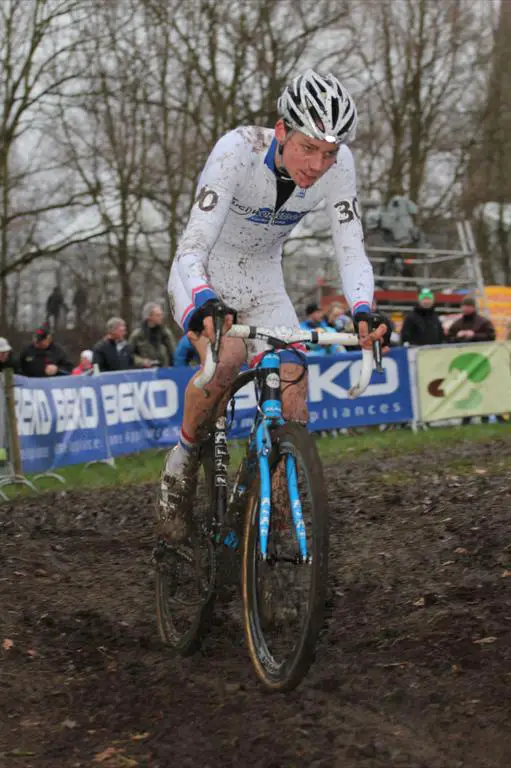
(334, 314)
(467, 310)
(156, 316)
(316, 316)
(43, 343)
(305, 159)
(119, 332)
(3, 357)
(426, 302)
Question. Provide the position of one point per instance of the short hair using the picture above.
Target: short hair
(113, 323)
(312, 307)
(149, 308)
(335, 305)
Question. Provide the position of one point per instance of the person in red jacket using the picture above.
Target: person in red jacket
(85, 364)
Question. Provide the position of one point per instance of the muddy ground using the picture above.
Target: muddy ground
(413, 671)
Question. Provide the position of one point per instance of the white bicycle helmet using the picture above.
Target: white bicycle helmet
(320, 107)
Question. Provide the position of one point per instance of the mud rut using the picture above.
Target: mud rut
(414, 668)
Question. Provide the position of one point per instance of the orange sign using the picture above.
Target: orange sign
(497, 300)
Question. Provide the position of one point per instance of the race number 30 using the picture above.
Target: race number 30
(347, 210)
(207, 199)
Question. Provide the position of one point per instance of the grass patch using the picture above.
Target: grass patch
(146, 467)
(400, 441)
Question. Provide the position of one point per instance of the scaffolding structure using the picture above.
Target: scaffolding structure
(449, 273)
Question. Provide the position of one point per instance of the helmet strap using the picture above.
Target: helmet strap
(281, 168)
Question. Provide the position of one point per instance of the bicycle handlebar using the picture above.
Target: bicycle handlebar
(283, 337)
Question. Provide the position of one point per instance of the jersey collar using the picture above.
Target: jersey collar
(269, 160)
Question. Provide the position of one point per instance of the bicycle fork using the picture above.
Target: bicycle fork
(271, 408)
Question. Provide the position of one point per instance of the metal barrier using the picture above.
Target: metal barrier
(10, 462)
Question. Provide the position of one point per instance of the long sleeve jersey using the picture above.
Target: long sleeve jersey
(232, 245)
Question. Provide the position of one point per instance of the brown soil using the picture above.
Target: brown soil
(413, 669)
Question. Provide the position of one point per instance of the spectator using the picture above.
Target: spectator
(7, 357)
(422, 325)
(313, 317)
(79, 302)
(44, 357)
(85, 365)
(185, 353)
(471, 326)
(337, 319)
(54, 306)
(114, 353)
(152, 343)
(315, 320)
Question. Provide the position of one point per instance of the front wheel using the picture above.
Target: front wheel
(284, 594)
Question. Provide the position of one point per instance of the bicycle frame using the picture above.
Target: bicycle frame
(269, 414)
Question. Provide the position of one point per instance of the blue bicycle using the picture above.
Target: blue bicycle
(276, 517)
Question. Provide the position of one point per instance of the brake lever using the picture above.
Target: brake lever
(219, 325)
(377, 354)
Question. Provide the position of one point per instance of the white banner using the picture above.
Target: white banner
(464, 380)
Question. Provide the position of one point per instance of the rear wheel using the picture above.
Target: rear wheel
(186, 574)
(284, 597)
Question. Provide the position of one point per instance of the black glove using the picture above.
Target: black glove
(209, 309)
(373, 320)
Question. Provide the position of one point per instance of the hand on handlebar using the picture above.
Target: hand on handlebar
(368, 338)
(209, 327)
(371, 328)
(204, 321)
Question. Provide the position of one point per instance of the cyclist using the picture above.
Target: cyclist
(255, 187)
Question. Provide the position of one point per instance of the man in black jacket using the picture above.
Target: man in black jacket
(471, 326)
(43, 357)
(114, 353)
(422, 325)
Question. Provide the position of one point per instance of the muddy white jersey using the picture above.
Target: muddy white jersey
(232, 245)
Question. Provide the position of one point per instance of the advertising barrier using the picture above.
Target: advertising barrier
(76, 419)
(461, 380)
(387, 400)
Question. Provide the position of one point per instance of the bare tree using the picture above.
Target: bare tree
(38, 43)
(488, 185)
(418, 64)
(107, 139)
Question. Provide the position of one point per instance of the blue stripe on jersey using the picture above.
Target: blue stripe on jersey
(269, 160)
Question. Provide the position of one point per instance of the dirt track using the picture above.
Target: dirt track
(414, 669)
